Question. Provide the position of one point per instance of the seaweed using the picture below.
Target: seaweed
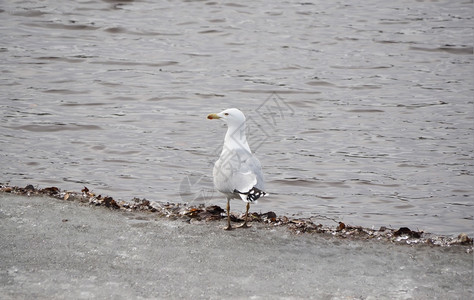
(202, 213)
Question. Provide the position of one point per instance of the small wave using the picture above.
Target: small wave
(56, 127)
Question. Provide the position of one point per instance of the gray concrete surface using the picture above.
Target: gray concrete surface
(54, 249)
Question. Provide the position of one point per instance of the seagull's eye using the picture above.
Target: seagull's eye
(226, 114)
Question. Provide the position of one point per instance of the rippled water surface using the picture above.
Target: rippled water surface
(359, 111)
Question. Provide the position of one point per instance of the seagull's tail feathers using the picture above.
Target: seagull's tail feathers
(252, 195)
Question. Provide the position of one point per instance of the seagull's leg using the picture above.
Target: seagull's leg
(245, 225)
(229, 227)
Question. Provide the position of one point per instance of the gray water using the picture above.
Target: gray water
(360, 112)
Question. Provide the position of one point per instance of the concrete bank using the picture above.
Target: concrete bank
(54, 249)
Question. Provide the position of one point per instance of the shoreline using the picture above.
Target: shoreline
(84, 248)
(202, 214)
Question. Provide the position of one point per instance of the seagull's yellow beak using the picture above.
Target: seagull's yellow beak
(213, 116)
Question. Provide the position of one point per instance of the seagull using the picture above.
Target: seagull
(237, 173)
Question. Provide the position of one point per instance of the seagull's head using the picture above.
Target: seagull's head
(232, 116)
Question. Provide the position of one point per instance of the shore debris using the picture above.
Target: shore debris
(405, 231)
(174, 211)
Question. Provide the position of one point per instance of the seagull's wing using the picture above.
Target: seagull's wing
(239, 172)
(243, 182)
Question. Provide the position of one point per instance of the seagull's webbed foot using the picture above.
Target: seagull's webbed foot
(228, 227)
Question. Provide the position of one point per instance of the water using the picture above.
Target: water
(359, 112)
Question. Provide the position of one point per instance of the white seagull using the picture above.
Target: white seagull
(237, 173)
